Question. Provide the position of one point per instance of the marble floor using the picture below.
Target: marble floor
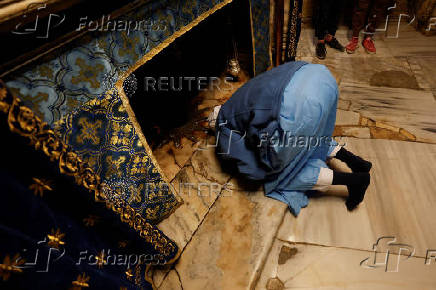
(232, 237)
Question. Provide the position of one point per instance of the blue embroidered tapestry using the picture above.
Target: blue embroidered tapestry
(78, 91)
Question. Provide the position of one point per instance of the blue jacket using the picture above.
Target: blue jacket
(252, 112)
(259, 126)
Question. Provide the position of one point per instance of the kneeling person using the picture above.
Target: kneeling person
(294, 100)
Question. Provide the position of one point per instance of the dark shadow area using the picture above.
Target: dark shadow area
(168, 84)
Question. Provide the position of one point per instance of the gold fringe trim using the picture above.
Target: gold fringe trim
(23, 121)
(253, 43)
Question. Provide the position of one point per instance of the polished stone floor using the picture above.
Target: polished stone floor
(233, 237)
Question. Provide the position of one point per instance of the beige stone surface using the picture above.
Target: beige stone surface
(347, 118)
(306, 47)
(428, 65)
(411, 43)
(229, 248)
(205, 163)
(362, 70)
(387, 126)
(317, 267)
(413, 110)
(383, 133)
(422, 68)
(344, 104)
(399, 201)
(198, 184)
(233, 237)
(358, 132)
(171, 159)
(198, 195)
(171, 282)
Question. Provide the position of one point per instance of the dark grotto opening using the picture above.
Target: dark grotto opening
(168, 86)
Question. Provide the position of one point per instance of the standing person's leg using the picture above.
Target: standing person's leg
(360, 13)
(332, 25)
(376, 15)
(323, 8)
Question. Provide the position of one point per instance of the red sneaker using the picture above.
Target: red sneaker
(368, 44)
(352, 45)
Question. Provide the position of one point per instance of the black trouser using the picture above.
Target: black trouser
(326, 17)
(369, 12)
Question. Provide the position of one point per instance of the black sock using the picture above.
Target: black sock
(357, 183)
(355, 163)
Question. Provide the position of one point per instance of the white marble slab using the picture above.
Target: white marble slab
(425, 68)
(230, 246)
(400, 201)
(315, 267)
(413, 110)
(411, 43)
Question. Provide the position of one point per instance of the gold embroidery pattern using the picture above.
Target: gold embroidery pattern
(10, 265)
(81, 281)
(3, 107)
(291, 36)
(91, 220)
(128, 45)
(55, 239)
(23, 121)
(122, 134)
(139, 165)
(89, 131)
(44, 71)
(114, 165)
(129, 274)
(88, 73)
(100, 260)
(37, 101)
(39, 186)
(119, 159)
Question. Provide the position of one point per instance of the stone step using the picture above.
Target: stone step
(229, 248)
